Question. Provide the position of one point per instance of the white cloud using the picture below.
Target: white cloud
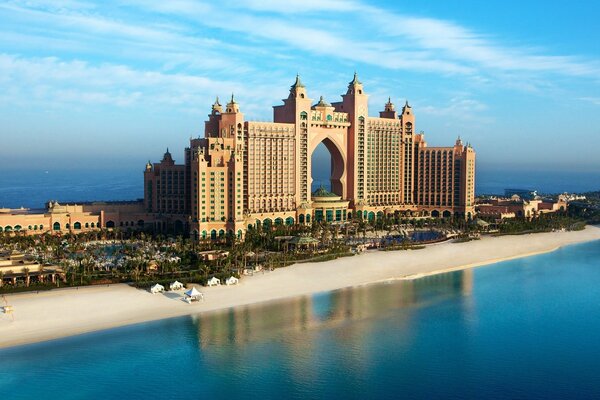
(298, 6)
(66, 83)
(459, 43)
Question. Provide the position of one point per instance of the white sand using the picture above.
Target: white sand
(66, 312)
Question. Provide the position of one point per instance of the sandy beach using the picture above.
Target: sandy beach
(65, 312)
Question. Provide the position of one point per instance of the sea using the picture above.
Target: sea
(34, 188)
(520, 329)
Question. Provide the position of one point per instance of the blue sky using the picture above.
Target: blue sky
(83, 84)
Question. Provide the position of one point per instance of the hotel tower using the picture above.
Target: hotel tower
(244, 174)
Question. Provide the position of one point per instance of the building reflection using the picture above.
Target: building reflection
(241, 325)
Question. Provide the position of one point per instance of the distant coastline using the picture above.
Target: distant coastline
(32, 189)
(61, 313)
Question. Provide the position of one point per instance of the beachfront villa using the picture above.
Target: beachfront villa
(247, 174)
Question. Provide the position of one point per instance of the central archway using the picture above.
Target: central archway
(336, 173)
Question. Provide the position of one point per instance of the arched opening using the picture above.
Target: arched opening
(447, 214)
(77, 225)
(221, 234)
(267, 223)
(1, 229)
(141, 223)
(213, 235)
(327, 167)
(278, 221)
(289, 221)
(110, 224)
(308, 218)
(371, 216)
(239, 234)
(17, 227)
(56, 226)
(203, 235)
(435, 214)
(301, 218)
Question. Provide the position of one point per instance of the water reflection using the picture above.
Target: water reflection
(329, 310)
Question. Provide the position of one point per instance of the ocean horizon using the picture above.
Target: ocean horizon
(33, 188)
(524, 328)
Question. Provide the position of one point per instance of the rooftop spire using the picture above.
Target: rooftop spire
(217, 101)
(389, 106)
(298, 83)
(355, 80)
(232, 106)
(167, 157)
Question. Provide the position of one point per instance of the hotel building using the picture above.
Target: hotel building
(245, 174)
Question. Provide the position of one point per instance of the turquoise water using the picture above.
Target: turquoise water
(522, 329)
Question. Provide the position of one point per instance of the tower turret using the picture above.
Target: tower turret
(355, 86)
(356, 103)
(216, 107)
(232, 106)
(389, 110)
(167, 158)
(298, 90)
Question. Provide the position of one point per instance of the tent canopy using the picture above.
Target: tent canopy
(193, 292)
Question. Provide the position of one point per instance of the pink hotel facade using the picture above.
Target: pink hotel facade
(244, 174)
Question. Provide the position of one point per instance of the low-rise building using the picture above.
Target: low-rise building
(17, 267)
(518, 208)
(75, 218)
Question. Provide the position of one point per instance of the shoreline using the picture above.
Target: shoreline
(66, 312)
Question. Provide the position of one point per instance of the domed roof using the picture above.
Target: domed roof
(322, 192)
(322, 103)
